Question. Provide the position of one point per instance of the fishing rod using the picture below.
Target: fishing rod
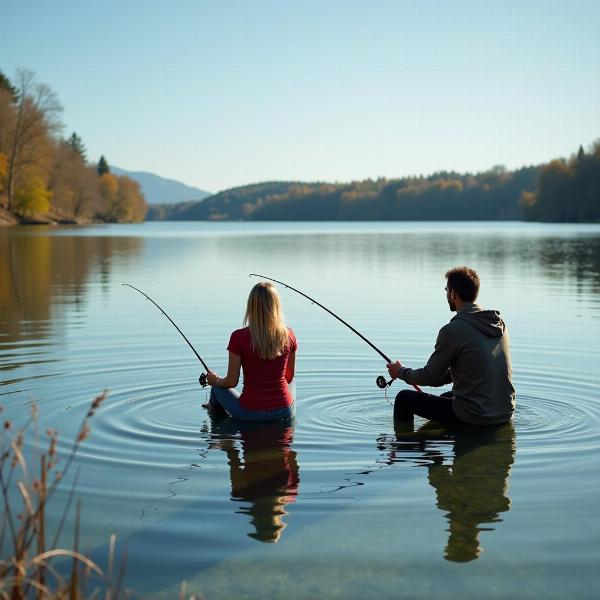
(380, 381)
(202, 378)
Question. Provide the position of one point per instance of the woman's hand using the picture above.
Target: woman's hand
(211, 378)
(233, 373)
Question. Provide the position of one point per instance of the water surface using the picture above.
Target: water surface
(339, 503)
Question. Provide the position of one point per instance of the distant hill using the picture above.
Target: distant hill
(490, 195)
(159, 190)
(235, 204)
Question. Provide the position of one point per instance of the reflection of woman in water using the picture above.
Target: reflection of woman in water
(473, 489)
(266, 350)
(267, 476)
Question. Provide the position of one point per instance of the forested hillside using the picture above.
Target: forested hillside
(568, 190)
(565, 190)
(45, 177)
(493, 195)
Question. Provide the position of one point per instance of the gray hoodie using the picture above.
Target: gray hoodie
(472, 352)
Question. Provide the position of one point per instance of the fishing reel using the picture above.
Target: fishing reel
(202, 380)
(382, 383)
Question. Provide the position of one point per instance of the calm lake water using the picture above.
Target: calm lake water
(339, 505)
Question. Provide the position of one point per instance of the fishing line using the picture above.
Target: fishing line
(380, 381)
(385, 389)
(202, 378)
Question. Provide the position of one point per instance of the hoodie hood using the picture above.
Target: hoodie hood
(486, 321)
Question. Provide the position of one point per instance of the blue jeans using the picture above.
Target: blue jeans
(228, 399)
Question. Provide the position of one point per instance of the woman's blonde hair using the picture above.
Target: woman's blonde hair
(264, 318)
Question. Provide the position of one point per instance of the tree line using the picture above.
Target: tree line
(568, 190)
(46, 176)
(562, 190)
(492, 195)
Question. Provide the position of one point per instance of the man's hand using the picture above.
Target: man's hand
(394, 369)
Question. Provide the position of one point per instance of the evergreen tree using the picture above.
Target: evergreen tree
(5, 84)
(76, 144)
(103, 166)
(580, 153)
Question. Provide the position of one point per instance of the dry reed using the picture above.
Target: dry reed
(27, 571)
(26, 554)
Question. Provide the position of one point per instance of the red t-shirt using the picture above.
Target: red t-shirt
(265, 387)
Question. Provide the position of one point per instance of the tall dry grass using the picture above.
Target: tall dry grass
(27, 551)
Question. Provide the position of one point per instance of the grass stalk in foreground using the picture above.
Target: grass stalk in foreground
(26, 569)
(26, 555)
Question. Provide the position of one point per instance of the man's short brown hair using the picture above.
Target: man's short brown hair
(465, 282)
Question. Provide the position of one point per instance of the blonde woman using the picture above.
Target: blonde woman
(266, 350)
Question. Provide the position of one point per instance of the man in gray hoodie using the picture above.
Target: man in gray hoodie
(471, 352)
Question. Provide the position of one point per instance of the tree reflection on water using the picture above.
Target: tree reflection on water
(43, 275)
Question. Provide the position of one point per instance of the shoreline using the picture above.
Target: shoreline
(8, 218)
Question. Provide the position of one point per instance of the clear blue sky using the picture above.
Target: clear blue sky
(224, 93)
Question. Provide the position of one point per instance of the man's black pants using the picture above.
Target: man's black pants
(429, 406)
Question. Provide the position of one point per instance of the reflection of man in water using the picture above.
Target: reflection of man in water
(473, 489)
(267, 477)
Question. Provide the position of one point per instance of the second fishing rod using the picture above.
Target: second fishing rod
(381, 380)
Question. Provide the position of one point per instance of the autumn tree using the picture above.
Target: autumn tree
(30, 134)
(7, 119)
(73, 183)
(123, 199)
(3, 170)
(108, 186)
(130, 201)
(32, 197)
(568, 190)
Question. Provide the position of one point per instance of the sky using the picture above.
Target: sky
(218, 94)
